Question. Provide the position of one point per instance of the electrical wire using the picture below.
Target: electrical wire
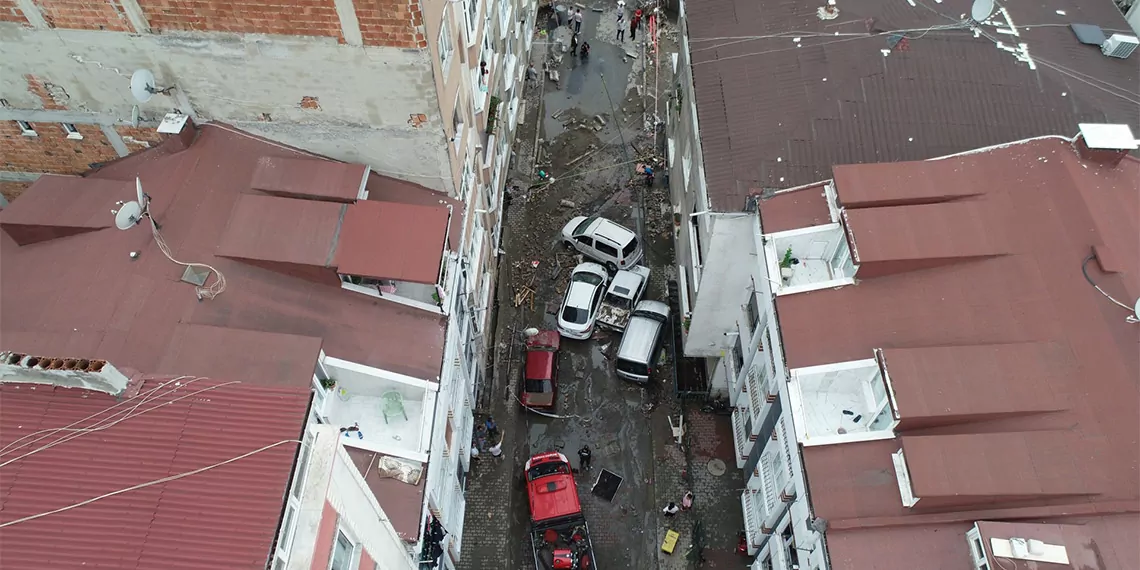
(1085, 272)
(71, 427)
(149, 483)
(215, 289)
(80, 433)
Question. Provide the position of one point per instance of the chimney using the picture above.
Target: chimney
(84, 373)
(1104, 144)
(182, 127)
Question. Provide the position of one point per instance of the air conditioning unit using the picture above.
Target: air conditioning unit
(1119, 45)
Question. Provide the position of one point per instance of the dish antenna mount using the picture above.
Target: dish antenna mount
(131, 213)
(981, 10)
(143, 86)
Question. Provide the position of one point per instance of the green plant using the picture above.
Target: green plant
(688, 321)
(786, 262)
(435, 297)
(493, 114)
(328, 383)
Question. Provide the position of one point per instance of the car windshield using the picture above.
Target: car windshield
(544, 469)
(629, 247)
(586, 277)
(539, 386)
(581, 229)
(650, 315)
(617, 301)
(630, 367)
(575, 315)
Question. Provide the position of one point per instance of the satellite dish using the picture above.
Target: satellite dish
(143, 199)
(981, 10)
(128, 215)
(142, 85)
(1136, 309)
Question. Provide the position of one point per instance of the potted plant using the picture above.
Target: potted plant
(328, 383)
(688, 321)
(786, 264)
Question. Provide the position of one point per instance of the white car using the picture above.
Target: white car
(611, 244)
(583, 295)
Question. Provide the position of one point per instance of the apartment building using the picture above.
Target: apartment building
(423, 91)
(769, 100)
(277, 266)
(960, 404)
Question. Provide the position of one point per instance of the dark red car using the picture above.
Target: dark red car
(540, 370)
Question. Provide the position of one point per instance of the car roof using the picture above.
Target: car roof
(638, 339)
(590, 267)
(612, 231)
(580, 294)
(653, 306)
(540, 365)
(627, 279)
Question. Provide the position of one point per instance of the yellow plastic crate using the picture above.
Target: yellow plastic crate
(671, 538)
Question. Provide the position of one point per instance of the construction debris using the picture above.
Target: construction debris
(568, 204)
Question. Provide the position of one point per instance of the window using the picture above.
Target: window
(606, 249)
(446, 48)
(585, 241)
(977, 551)
(737, 356)
(457, 125)
(26, 129)
(466, 182)
(752, 311)
(72, 132)
(344, 553)
(472, 20)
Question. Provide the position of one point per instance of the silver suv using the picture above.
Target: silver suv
(611, 244)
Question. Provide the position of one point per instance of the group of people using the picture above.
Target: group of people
(634, 23)
(485, 432)
(686, 504)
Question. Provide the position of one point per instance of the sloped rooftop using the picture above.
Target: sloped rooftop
(84, 296)
(1016, 373)
(225, 517)
(829, 95)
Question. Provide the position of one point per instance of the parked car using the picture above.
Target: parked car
(540, 370)
(610, 244)
(583, 295)
(641, 342)
(623, 294)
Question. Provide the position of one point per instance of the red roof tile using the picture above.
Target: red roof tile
(310, 178)
(387, 240)
(222, 518)
(1026, 325)
(85, 297)
(838, 100)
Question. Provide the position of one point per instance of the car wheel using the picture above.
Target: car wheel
(568, 244)
(611, 267)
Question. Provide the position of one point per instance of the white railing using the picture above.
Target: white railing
(756, 394)
(752, 519)
(740, 437)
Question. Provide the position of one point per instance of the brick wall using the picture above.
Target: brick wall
(12, 190)
(85, 15)
(140, 138)
(287, 17)
(52, 151)
(395, 23)
(10, 13)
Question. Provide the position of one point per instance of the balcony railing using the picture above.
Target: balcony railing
(740, 437)
(753, 518)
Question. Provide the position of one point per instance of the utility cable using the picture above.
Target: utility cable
(81, 433)
(149, 483)
(1085, 272)
(210, 292)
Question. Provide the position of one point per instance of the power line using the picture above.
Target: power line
(130, 415)
(149, 483)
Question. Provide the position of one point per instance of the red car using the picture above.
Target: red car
(540, 370)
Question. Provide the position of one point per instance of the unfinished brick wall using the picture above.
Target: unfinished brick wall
(85, 15)
(52, 151)
(140, 138)
(12, 190)
(10, 13)
(286, 17)
(394, 23)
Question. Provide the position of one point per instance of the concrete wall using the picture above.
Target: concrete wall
(373, 105)
(729, 264)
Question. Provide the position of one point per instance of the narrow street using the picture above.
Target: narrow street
(592, 130)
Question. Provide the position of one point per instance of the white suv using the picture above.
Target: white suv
(614, 246)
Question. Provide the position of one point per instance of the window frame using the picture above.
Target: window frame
(471, 10)
(445, 38)
(353, 555)
(26, 128)
(72, 131)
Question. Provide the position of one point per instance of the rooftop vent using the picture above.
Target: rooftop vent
(1119, 45)
(1029, 549)
(96, 375)
(1105, 144)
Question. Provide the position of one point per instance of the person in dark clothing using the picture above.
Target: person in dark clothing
(492, 427)
(574, 44)
(584, 458)
(585, 50)
(633, 28)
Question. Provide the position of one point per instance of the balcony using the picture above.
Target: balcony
(753, 519)
(809, 259)
(836, 403)
(385, 412)
(741, 438)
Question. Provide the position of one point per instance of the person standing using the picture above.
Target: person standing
(584, 455)
(621, 23)
(497, 449)
(574, 44)
(633, 22)
(491, 427)
(577, 20)
(670, 509)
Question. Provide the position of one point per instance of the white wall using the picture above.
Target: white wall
(729, 264)
(367, 94)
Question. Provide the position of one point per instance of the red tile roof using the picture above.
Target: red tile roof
(64, 205)
(268, 228)
(831, 97)
(225, 517)
(1044, 436)
(83, 296)
(387, 240)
